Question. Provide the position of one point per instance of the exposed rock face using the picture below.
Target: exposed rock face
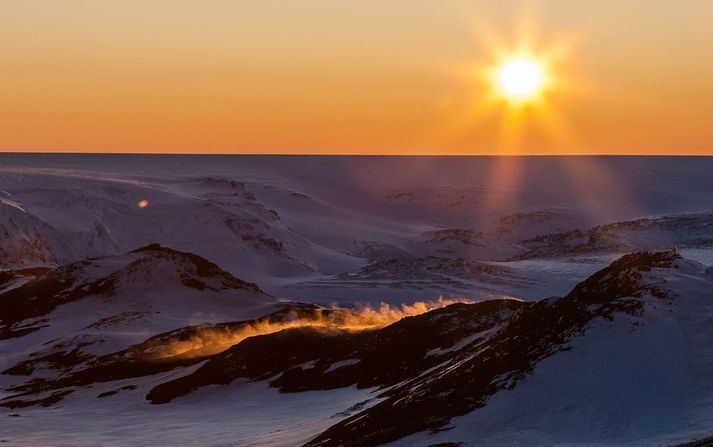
(24, 239)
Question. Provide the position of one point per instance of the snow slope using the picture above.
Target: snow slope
(638, 372)
(55, 321)
(294, 224)
(150, 316)
(623, 359)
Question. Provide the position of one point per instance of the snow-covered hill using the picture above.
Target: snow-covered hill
(693, 230)
(55, 320)
(623, 359)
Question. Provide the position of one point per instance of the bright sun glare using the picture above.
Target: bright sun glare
(520, 78)
(521, 81)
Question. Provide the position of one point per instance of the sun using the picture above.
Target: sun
(520, 78)
(515, 89)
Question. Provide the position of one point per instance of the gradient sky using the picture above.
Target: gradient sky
(367, 76)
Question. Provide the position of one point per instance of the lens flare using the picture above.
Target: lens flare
(143, 203)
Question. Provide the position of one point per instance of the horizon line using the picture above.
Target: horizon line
(362, 154)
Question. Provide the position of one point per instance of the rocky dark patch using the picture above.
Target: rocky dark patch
(116, 320)
(462, 236)
(509, 224)
(116, 391)
(418, 266)
(571, 242)
(374, 251)
(271, 243)
(46, 401)
(40, 296)
(61, 360)
(707, 442)
(255, 231)
(7, 276)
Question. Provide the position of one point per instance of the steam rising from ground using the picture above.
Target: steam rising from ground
(212, 340)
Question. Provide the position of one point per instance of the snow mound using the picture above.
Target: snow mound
(57, 320)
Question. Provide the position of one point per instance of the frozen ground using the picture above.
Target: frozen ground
(349, 230)
(304, 227)
(248, 414)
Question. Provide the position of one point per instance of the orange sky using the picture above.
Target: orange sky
(368, 76)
